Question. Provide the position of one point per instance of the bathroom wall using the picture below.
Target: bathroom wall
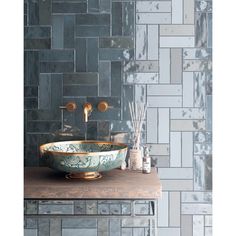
(157, 52)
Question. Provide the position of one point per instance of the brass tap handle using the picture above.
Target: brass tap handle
(70, 106)
(103, 106)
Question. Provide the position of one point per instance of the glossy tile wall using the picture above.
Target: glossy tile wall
(157, 52)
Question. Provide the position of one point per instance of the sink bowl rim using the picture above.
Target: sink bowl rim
(43, 146)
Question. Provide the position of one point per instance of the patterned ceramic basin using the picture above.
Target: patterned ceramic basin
(76, 157)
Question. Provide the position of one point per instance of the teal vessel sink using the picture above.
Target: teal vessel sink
(83, 159)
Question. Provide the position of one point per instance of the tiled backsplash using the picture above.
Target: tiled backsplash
(157, 52)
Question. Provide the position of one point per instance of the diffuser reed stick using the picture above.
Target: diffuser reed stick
(137, 113)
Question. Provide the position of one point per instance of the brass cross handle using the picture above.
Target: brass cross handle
(103, 106)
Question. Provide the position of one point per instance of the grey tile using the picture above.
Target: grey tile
(81, 54)
(127, 96)
(76, 232)
(91, 207)
(160, 161)
(197, 53)
(92, 130)
(37, 43)
(177, 30)
(116, 42)
(45, 12)
(175, 149)
(202, 149)
(36, 32)
(188, 11)
(115, 209)
(199, 89)
(80, 90)
(177, 12)
(30, 232)
(31, 223)
(140, 93)
(138, 231)
(116, 78)
(176, 66)
(126, 231)
(93, 19)
(209, 30)
(56, 209)
(177, 185)
(163, 125)
(197, 65)
(187, 125)
(187, 149)
(92, 55)
(196, 197)
(141, 42)
(202, 137)
(200, 29)
(79, 207)
(69, 31)
(208, 231)
(31, 207)
(198, 225)
(103, 209)
(93, 5)
(203, 6)
(174, 209)
(113, 102)
(31, 103)
(208, 172)
(208, 220)
(165, 65)
(126, 209)
(163, 210)
(103, 227)
(141, 66)
(154, 90)
(141, 78)
(128, 18)
(153, 6)
(152, 125)
(142, 209)
(115, 227)
(56, 55)
(79, 223)
(43, 126)
(56, 92)
(111, 114)
(175, 173)
(80, 78)
(153, 42)
(57, 31)
(159, 149)
(103, 130)
(56, 67)
(209, 84)
(33, 13)
(168, 231)
(55, 227)
(176, 42)
(30, 91)
(116, 18)
(132, 222)
(186, 225)
(105, 6)
(92, 31)
(114, 54)
(209, 113)
(188, 113)
(69, 7)
(104, 69)
(188, 89)
(44, 91)
(42, 115)
(153, 18)
(44, 227)
(164, 101)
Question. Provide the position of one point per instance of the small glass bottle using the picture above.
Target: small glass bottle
(146, 161)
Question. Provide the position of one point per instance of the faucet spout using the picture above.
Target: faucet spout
(87, 111)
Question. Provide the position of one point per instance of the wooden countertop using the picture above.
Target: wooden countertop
(44, 183)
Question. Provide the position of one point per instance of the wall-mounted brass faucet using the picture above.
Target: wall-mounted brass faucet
(87, 111)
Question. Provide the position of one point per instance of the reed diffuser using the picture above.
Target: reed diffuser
(137, 113)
